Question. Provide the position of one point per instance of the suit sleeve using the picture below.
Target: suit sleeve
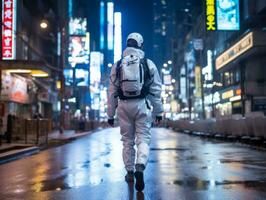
(112, 93)
(155, 90)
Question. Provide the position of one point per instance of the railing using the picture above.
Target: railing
(252, 125)
(31, 131)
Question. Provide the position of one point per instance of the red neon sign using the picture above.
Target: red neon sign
(8, 29)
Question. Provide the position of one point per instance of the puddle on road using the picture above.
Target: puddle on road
(168, 149)
(107, 165)
(197, 184)
(51, 185)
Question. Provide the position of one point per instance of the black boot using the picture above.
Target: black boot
(139, 177)
(129, 177)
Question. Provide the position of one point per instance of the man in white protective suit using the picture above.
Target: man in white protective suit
(135, 91)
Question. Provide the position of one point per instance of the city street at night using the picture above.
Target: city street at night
(180, 167)
(133, 100)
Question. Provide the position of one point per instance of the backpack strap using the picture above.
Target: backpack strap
(148, 78)
(118, 70)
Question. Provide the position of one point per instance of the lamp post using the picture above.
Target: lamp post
(44, 25)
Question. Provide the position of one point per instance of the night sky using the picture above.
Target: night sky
(136, 17)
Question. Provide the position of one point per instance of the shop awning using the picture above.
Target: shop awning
(34, 68)
(252, 44)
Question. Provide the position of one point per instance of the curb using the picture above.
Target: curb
(16, 154)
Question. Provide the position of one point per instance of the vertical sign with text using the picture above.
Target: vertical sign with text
(8, 29)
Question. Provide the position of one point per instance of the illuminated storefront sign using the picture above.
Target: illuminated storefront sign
(197, 81)
(118, 37)
(227, 14)
(110, 25)
(15, 89)
(208, 71)
(9, 11)
(210, 15)
(228, 94)
(235, 98)
(239, 48)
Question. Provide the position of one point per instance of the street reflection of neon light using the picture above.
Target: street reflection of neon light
(118, 36)
(102, 25)
(110, 25)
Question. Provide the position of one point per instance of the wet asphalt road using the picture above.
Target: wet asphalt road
(180, 167)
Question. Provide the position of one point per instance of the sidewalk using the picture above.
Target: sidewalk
(67, 135)
(13, 151)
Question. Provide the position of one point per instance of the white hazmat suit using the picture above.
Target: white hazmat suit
(135, 115)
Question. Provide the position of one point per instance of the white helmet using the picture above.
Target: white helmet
(137, 37)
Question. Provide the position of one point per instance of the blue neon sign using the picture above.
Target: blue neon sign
(227, 14)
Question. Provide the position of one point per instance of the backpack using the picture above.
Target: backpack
(134, 77)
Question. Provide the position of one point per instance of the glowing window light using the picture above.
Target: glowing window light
(102, 25)
(110, 25)
(118, 36)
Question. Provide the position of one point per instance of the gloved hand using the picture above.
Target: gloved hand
(158, 119)
(111, 122)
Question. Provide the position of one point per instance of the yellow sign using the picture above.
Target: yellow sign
(198, 81)
(228, 94)
(210, 15)
(239, 48)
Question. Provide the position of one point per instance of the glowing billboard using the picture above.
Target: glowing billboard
(9, 12)
(78, 26)
(118, 37)
(95, 67)
(110, 25)
(68, 74)
(102, 25)
(82, 77)
(78, 52)
(227, 14)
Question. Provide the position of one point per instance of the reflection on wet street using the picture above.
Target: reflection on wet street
(180, 167)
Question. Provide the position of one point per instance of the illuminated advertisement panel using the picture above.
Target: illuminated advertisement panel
(78, 52)
(197, 81)
(210, 15)
(82, 77)
(78, 26)
(118, 37)
(95, 67)
(9, 11)
(110, 25)
(227, 14)
(68, 73)
(102, 25)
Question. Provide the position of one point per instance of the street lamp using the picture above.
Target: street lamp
(44, 24)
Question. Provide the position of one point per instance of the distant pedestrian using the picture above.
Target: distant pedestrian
(9, 127)
(135, 86)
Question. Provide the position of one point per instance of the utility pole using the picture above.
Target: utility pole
(62, 78)
(201, 85)
(62, 16)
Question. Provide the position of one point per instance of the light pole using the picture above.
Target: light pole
(44, 25)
